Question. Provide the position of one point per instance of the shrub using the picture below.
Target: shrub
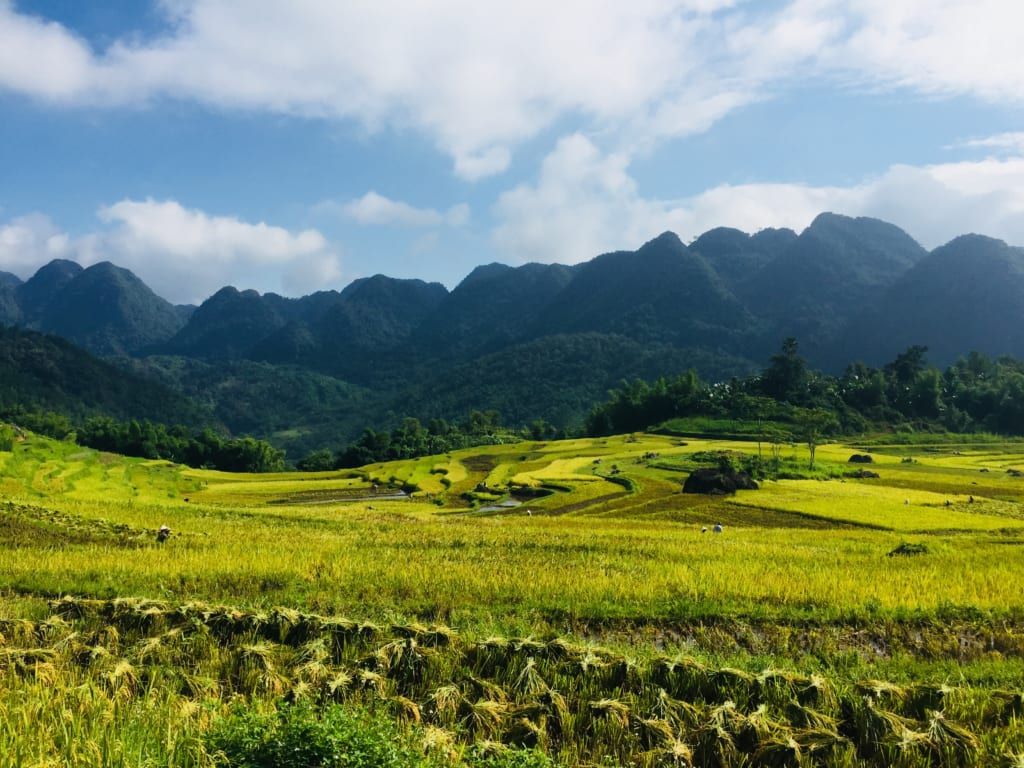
(481, 757)
(299, 736)
(318, 461)
(907, 549)
(6, 437)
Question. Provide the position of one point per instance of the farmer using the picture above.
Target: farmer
(718, 528)
(163, 534)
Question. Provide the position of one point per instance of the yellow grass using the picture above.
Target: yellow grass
(592, 550)
(895, 509)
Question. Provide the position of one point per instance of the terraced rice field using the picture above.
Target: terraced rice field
(595, 623)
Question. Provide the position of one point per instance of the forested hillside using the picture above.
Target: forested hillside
(530, 341)
(41, 372)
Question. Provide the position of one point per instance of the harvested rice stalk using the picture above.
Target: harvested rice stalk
(612, 710)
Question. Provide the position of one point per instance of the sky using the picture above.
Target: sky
(296, 146)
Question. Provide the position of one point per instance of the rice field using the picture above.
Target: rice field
(888, 508)
(838, 621)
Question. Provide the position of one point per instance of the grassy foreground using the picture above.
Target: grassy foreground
(555, 597)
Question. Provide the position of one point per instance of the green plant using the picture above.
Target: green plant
(298, 736)
(509, 758)
(6, 437)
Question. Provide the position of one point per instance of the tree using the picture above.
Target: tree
(541, 429)
(862, 387)
(483, 422)
(777, 439)
(1009, 414)
(926, 394)
(6, 437)
(908, 364)
(786, 378)
(902, 373)
(317, 461)
(813, 423)
(438, 427)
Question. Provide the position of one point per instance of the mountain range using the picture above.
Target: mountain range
(104, 309)
(541, 340)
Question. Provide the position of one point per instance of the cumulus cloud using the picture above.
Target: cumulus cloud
(311, 273)
(585, 202)
(27, 242)
(193, 236)
(42, 58)
(480, 78)
(183, 254)
(376, 209)
(933, 46)
(476, 78)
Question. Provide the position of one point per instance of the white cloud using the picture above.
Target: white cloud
(312, 273)
(29, 241)
(934, 46)
(183, 254)
(480, 78)
(1012, 142)
(193, 236)
(478, 164)
(475, 77)
(42, 58)
(933, 203)
(373, 208)
(376, 209)
(585, 203)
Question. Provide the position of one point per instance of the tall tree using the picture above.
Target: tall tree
(787, 376)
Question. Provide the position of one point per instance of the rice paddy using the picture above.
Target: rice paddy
(840, 621)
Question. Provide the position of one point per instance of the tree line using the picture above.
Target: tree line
(975, 394)
(787, 400)
(203, 448)
(412, 439)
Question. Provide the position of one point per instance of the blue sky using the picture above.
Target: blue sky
(297, 146)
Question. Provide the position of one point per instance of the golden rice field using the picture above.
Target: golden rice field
(537, 601)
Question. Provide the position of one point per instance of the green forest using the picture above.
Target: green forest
(975, 394)
(907, 396)
(782, 402)
(544, 342)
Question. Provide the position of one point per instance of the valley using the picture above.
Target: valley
(511, 384)
(531, 340)
(408, 588)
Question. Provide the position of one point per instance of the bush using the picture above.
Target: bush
(318, 461)
(511, 758)
(299, 736)
(6, 437)
(908, 549)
